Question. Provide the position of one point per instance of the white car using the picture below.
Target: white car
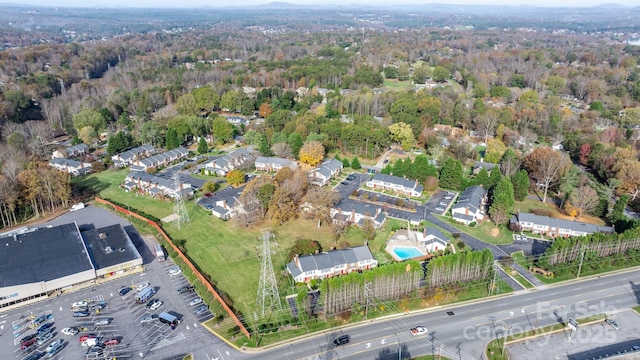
(195, 301)
(79, 304)
(156, 305)
(143, 286)
(53, 345)
(103, 322)
(174, 272)
(418, 330)
(71, 331)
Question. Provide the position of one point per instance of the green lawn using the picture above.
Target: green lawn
(395, 84)
(486, 232)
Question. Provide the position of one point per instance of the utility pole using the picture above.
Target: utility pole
(580, 266)
(268, 294)
(367, 296)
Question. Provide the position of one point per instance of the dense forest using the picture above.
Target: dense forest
(353, 89)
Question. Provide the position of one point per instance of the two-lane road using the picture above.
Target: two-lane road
(463, 333)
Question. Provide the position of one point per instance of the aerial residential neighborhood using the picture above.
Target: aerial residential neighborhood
(285, 181)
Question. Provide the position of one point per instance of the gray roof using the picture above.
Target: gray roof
(144, 177)
(116, 239)
(471, 198)
(463, 216)
(348, 205)
(407, 183)
(563, 224)
(328, 260)
(275, 161)
(484, 165)
(42, 255)
(79, 148)
(131, 154)
(327, 168)
(436, 233)
(166, 156)
(66, 162)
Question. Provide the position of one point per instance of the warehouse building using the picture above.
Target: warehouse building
(38, 262)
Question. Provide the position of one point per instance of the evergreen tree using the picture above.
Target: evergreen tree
(337, 157)
(482, 178)
(346, 163)
(119, 143)
(295, 141)
(387, 169)
(172, 141)
(617, 213)
(451, 175)
(420, 168)
(502, 200)
(494, 177)
(355, 163)
(520, 183)
(202, 146)
(264, 148)
(398, 168)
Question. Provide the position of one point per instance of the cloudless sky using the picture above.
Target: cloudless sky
(217, 3)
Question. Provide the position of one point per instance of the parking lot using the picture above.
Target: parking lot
(119, 322)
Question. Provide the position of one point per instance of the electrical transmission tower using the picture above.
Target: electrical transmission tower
(181, 216)
(268, 295)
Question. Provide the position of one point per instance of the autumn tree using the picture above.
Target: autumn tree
(486, 124)
(368, 230)
(319, 201)
(282, 149)
(312, 153)
(265, 110)
(89, 118)
(402, 134)
(235, 177)
(585, 151)
(546, 166)
(494, 151)
(583, 200)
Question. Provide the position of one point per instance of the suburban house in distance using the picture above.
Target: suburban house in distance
(396, 184)
(234, 160)
(332, 263)
(155, 185)
(72, 167)
(349, 212)
(325, 172)
(273, 164)
(545, 225)
(470, 205)
(70, 151)
(157, 160)
(224, 204)
(128, 157)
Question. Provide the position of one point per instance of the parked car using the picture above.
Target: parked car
(351, 177)
(103, 322)
(148, 318)
(99, 306)
(156, 305)
(124, 291)
(80, 304)
(174, 272)
(39, 320)
(81, 314)
(35, 356)
(54, 345)
(27, 338)
(71, 331)
(342, 340)
(44, 338)
(201, 309)
(151, 302)
(142, 286)
(92, 342)
(44, 327)
(186, 289)
(111, 342)
(94, 352)
(84, 338)
(195, 301)
(24, 345)
(418, 330)
(44, 333)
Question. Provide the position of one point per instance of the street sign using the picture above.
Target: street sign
(573, 325)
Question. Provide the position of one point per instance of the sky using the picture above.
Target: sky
(217, 3)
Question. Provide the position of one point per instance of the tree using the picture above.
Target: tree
(304, 247)
(265, 192)
(402, 134)
(391, 72)
(282, 149)
(312, 153)
(203, 147)
(494, 177)
(520, 181)
(368, 230)
(222, 129)
(441, 74)
(510, 163)
(265, 110)
(617, 213)
(171, 140)
(482, 178)
(90, 118)
(295, 141)
(584, 200)
(235, 177)
(451, 175)
(495, 151)
(320, 200)
(209, 187)
(355, 163)
(232, 100)
(346, 163)
(585, 151)
(431, 183)
(119, 143)
(546, 166)
(88, 135)
(421, 73)
(502, 200)
(486, 123)
(187, 105)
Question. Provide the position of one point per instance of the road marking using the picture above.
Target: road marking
(367, 345)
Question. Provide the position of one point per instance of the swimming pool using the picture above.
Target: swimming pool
(405, 253)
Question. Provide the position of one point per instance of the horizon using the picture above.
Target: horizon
(189, 4)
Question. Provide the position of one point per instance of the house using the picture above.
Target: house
(234, 160)
(470, 206)
(158, 160)
(557, 146)
(225, 203)
(431, 238)
(70, 151)
(349, 212)
(545, 225)
(396, 184)
(72, 167)
(237, 120)
(332, 263)
(156, 185)
(128, 157)
(479, 165)
(325, 172)
(273, 164)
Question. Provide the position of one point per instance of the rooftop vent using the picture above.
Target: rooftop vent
(102, 235)
(108, 250)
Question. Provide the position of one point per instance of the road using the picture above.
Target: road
(463, 333)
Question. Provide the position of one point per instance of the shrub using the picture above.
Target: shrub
(472, 224)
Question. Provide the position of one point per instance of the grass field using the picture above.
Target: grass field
(487, 231)
(395, 84)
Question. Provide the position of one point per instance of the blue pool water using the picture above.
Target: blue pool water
(405, 253)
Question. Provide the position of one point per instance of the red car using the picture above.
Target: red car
(88, 336)
(25, 344)
(112, 342)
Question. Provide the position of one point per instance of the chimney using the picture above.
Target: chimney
(353, 215)
(296, 260)
(224, 204)
(466, 211)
